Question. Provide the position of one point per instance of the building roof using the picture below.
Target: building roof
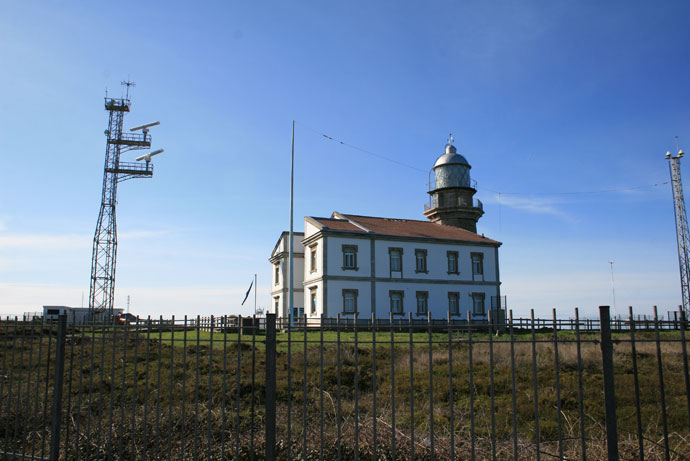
(451, 157)
(399, 227)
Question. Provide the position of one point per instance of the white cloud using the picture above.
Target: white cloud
(45, 241)
(540, 205)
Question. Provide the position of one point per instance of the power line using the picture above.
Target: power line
(397, 162)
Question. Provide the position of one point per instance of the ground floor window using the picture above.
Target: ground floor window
(349, 301)
(396, 300)
(422, 302)
(478, 304)
(312, 300)
(454, 303)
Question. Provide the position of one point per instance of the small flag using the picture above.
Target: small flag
(250, 289)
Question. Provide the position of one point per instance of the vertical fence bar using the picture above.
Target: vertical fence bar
(225, 385)
(339, 396)
(45, 394)
(270, 387)
(638, 413)
(535, 384)
(289, 388)
(411, 332)
(20, 407)
(197, 329)
(683, 326)
(11, 385)
(373, 380)
(356, 384)
(158, 386)
(251, 410)
(513, 390)
(18, 399)
(580, 392)
(57, 392)
(304, 392)
(557, 367)
(77, 428)
(238, 388)
(321, 416)
(431, 387)
(171, 385)
(492, 395)
(27, 404)
(87, 451)
(123, 394)
(147, 368)
(609, 388)
(392, 332)
(111, 414)
(662, 392)
(183, 445)
(132, 448)
(451, 393)
(470, 359)
(210, 388)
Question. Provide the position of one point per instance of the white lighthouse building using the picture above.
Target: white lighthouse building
(387, 266)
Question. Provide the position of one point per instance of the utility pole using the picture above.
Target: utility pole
(291, 254)
(613, 290)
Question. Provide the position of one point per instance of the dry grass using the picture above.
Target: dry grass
(156, 423)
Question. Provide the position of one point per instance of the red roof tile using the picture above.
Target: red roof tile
(403, 227)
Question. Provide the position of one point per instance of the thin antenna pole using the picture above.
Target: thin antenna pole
(291, 257)
(254, 294)
(613, 290)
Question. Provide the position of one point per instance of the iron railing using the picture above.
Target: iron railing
(250, 388)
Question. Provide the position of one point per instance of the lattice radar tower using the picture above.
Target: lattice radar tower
(682, 234)
(102, 287)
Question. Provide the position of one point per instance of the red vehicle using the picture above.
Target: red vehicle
(125, 318)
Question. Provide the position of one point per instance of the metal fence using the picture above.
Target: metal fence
(244, 388)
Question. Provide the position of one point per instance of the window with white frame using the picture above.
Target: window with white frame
(350, 257)
(420, 260)
(454, 303)
(395, 259)
(422, 302)
(478, 304)
(452, 262)
(349, 301)
(277, 274)
(396, 299)
(312, 300)
(312, 258)
(477, 264)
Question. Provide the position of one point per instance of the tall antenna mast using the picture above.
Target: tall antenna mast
(102, 287)
(682, 234)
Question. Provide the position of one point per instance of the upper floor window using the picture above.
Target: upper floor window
(350, 257)
(420, 258)
(396, 259)
(349, 301)
(396, 299)
(452, 262)
(312, 259)
(478, 304)
(422, 302)
(477, 264)
(277, 274)
(454, 303)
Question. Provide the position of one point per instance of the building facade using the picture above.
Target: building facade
(375, 266)
(280, 275)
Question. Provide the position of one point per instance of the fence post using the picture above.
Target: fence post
(609, 389)
(57, 388)
(270, 387)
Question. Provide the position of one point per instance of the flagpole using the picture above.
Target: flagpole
(292, 187)
(254, 294)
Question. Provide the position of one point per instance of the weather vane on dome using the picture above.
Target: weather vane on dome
(450, 138)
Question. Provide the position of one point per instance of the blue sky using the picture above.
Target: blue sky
(543, 99)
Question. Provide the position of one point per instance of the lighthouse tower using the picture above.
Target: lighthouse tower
(452, 191)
